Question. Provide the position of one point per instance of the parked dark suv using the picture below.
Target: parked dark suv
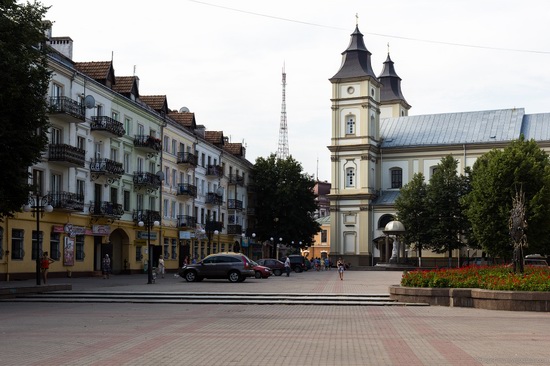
(297, 263)
(236, 267)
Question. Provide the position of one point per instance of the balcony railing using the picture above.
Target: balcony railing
(105, 209)
(67, 155)
(233, 204)
(107, 125)
(185, 221)
(210, 226)
(234, 229)
(236, 179)
(186, 189)
(106, 167)
(66, 201)
(213, 198)
(145, 215)
(214, 170)
(187, 158)
(148, 143)
(148, 181)
(68, 109)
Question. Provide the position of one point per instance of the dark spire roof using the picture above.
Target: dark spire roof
(356, 62)
(391, 83)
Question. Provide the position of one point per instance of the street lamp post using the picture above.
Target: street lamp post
(38, 205)
(149, 223)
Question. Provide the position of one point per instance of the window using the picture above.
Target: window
(167, 176)
(36, 244)
(396, 178)
(128, 126)
(56, 136)
(38, 181)
(166, 246)
(165, 143)
(1, 243)
(174, 147)
(115, 115)
(141, 129)
(79, 247)
(139, 256)
(165, 207)
(99, 110)
(323, 236)
(174, 249)
(139, 202)
(127, 167)
(17, 251)
(81, 142)
(97, 150)
(126, 203)
(384, 221)
(55, 246)
(140, 164)
(114, 154)
(80, 184)
(350, 124)
(203, 160)
(114, 195)
(174, 178)
(350, 177)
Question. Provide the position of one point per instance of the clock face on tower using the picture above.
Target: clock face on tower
(351, 90)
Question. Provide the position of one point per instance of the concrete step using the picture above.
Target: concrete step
(213, 298)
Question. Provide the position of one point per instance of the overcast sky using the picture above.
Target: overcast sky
(223, 59)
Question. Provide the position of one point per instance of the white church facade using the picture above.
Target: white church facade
(376, 148)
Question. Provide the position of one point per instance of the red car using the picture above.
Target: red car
(276, 265)
(261, 271)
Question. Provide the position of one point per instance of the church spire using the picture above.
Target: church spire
(356, 62)
(390, 91)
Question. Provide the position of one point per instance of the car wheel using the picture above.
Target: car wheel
(190, 276)
(257, 274)
(277, 272)
(234, 276)
(297, 269)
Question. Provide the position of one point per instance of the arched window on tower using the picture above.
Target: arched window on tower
(396, 177)
(350, 124)
(350, 177)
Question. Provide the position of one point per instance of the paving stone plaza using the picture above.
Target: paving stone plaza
(68, 333)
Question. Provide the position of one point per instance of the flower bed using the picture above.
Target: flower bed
(494, 287)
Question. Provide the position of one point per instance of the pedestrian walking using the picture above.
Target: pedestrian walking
(106, 266)
(161, 267)
(341, 267)
(45, 266)
(327, 264)
(287, 266)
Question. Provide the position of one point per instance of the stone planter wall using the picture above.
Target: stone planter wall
(474, 298)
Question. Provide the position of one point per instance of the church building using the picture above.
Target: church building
(376, 148)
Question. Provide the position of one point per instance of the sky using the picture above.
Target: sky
(223, 60)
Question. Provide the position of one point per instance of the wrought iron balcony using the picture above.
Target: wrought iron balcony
(108, 168)
(186, 189)
(186, 221)
(67, 109)
(107, 210)
(234, 229)
(148, 143)
(66, 201)
(67, 155)
(107, 126)
(233, 204)
(187, 158)
(148, 181)
(214, 170)
(236, 179)
(211, 225)
(213, 198)
(145, 216)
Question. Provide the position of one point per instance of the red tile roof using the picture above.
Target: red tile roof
(234, 148)
(124, 84)
(184, 119)
(98, 70)
(214, 137)
(157, 102)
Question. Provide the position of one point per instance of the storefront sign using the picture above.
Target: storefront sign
(68, 252)
(101, 230)
(185, 235)
(143, 235)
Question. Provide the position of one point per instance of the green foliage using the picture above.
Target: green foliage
(443, 200)
(485, 277)
(285, 201)
(496, 176)
(414, 213)
(25, 78)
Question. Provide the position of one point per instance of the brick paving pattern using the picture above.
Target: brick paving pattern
(165, 334)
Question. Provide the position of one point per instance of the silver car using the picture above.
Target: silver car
(236, 267)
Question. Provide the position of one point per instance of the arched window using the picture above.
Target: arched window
(350, 124)
(396, 177)
(350, 177)
(383, 221)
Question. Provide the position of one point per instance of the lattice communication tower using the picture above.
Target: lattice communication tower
(282, 151)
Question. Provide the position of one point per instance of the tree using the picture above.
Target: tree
(496, 177)
(285, 201)
(447, 220)
(25, 78)
(412, 211)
